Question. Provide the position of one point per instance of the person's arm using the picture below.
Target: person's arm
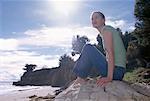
(108, 42)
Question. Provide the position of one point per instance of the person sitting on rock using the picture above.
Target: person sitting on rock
(109, 67)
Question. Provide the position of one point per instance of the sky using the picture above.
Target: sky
(40, 31)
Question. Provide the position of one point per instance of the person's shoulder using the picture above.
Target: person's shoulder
(108, 27)
(111, 29)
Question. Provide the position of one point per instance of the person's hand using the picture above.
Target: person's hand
(103, 81)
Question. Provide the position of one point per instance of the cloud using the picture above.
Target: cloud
(14, 61)
(8, 44)
(120, 23)
(6, 76)
(55, 36)
(23, 57)
(117, 23)
(131, 28)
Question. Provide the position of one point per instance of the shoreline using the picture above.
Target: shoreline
(23, 95)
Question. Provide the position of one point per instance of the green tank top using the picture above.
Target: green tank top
(119, 49)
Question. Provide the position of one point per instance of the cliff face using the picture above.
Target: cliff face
(57, 77)
(114, 91)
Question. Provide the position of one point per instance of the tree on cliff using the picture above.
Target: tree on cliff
(66, 61)
(29, 67)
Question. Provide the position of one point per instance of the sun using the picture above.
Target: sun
(64, 7)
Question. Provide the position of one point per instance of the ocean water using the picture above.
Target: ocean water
(6, 87)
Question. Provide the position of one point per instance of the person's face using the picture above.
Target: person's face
(97, 20)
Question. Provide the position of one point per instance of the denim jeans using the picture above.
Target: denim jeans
(93, 63)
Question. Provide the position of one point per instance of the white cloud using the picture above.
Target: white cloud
(117, 23)
(6, 76)
(23, 57)
(8, 44)
(131, 28)
(57, 36)
(13, 62)
(122, 24)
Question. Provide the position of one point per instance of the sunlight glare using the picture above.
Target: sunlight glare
(64, 7)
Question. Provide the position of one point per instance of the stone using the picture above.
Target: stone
(113, 91)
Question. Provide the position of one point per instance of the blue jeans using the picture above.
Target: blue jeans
(92, 63)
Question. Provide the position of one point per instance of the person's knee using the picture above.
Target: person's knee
(88, 46)
(79, 72)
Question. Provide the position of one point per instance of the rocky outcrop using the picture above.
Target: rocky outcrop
(114, 91)
(56, 77)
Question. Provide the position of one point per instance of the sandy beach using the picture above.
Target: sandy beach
(28, 94)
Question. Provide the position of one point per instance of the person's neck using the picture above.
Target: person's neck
(100, 28)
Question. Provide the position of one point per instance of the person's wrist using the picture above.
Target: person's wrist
(110, 78)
